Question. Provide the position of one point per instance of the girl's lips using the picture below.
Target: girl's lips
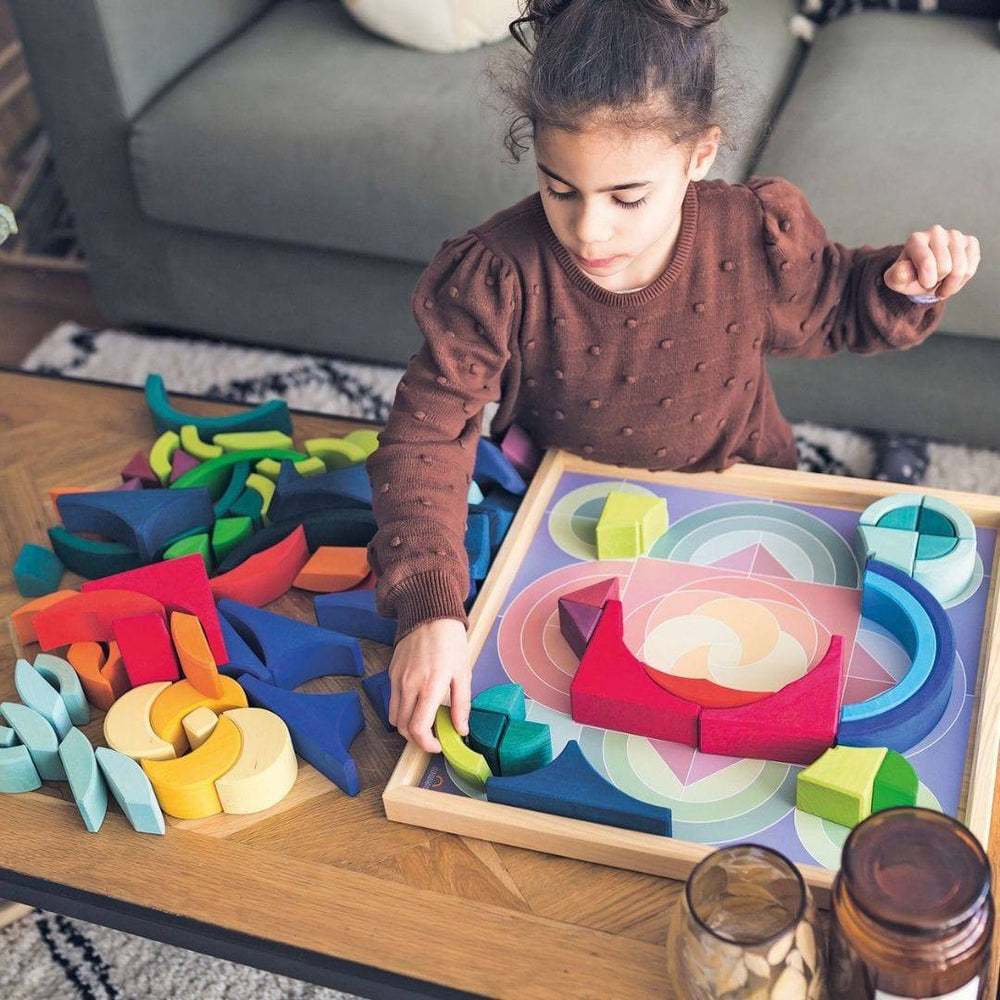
(604, 262)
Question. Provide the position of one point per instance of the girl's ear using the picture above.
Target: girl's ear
(703, 153)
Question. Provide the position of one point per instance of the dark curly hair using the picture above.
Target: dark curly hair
(641, 65)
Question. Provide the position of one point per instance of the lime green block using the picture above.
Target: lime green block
(227, 533)
(307, 467)
(629, 524)
(199, 544)
(161, 455)
(935, 546)
(216, 473)
(366, 439)
(335, 453)
(192, 443)
(263, 486)
(466, 763)
(935, 522)
(503, 699)
(252, 440)
(888, 545)
(903, 518)
(485, 732)
(895, 784)
(525, 747)
(838, 785)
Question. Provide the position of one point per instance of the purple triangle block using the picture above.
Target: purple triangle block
(181, 462)
(577, 623)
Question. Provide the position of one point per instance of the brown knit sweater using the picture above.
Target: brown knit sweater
(671, 376)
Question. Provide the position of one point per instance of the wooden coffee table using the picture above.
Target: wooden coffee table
(325, 889)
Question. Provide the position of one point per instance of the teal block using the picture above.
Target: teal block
(504, 699)
(485, 733)
(934, 522)
(904, 518)
(132, 791)
(17, 770)
(38, 736)
(37, 571)
(935, 546)
(36, 692)
(85, 779)
(525, 747)
(67, 682)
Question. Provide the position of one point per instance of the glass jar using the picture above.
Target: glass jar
(746, 928)
(912, 915)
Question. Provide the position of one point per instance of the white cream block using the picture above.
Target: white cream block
(267, 767)
(127, 728)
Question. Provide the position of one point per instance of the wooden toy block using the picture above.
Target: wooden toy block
(493, 466)
(89, 617)
(334, 452)
(502, 699)
(795, 724)
(35, 692)
(271, 468)
(262, 485)
(629, 524)
(947, 576)
(199, 545)
(85, 779)
(486, 730)
(216, 474)
(475, 495)
(127, 726)
(182, 462)
(903, 518)
(171, 705)
(38, 736)
(266, 768)
(934, 546)
(253, 441)
(378, 689)
(131, 484)
(838, 785)
(127, 782)
(227, 533)
(17, 770)
(265, 576)
(179, 585)
(334, 568)
(161, 456)
(888, 545)
(23, 618)
(192, 443)
(61, 675)
(293, 651)
(501, 508)
(934, 522)
(322, 727)
(145, 520)
(704, 692)
(272, 415)
(250, 503)
(611, 689)
(525, 746)
(298, 496)
(571, 787)
(91, 557)
(198, 726)
(185, 786)
(102, 674)
(467, 764)
(145, 649)
(8, 738)
(195, 656)
(477, 544)
(365, 438)
(37, 571)
(520, 451)
(908, 504)
(596, 594)
(896, 783)
(232, 489)
(242, 659)
(577, 623)
(139, 468)
(942, 517)
(353, 612)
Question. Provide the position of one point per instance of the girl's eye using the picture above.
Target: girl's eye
(563, 195)
(632, 204)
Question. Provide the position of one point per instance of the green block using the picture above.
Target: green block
(227, 533)
(935, 546)
(215, 474)
(192, 545)
(896, 783)
(888, 545)
(838, 785)
(525, 746)
(904, 518)
(504, 699)
(485, 732)
(629, 524)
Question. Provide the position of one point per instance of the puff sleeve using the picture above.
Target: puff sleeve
(825, 297)
(467, 305)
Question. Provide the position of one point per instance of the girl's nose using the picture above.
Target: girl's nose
(592, 230)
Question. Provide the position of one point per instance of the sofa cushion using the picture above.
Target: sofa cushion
(874, 135)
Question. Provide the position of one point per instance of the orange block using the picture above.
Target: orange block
(55, 492)
(196, 658)
(102, 675)
(333, 568)
(23, 618)
(265, 576)
(88, 617)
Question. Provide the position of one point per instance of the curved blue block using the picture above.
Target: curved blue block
(322, 727)
(132, 791)
(38, 736)
(353, 612)
(242, 659)
(501, 508)
(378, 689)
(37, 693)
(85, 779)
(477, 544)
(67, 682)
(570, 786)
(297, 496)
(493, 466)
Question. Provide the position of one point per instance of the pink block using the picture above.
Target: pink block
(181, 462)
(139, 468)
(520, 451)
(596, 593)
(146, 649)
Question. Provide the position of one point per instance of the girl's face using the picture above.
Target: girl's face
(614, 200)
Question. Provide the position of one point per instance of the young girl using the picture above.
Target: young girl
(624, 312)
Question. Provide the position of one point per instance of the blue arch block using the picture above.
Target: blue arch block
(37, 693)
(85, 779)
(570, 786)
(322, 727)
(67, 682)
(353, 612)
(297, 495)
(38, 736)
(242, 659)
(493, 466)
(129, 785)
(378, 688)
(477, 544)
(293, 652)
(501, 508)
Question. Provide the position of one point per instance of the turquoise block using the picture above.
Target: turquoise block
(8, 737)
(37, 693)
(132, 791)
(904, 518)
(37, 571)
(485, 732)
(475, 495)
(17, 770)
(935, 546)
(38, 736)
(525, 747)
(67, 682)
(85, 780)
(505, 699)
(935, 522)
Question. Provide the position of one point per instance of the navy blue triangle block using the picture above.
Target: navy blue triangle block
(493, 466)
(293, 652)
(353, 613)
(322, 727)
(477, 544)
(242, 659)
(297, 495)
(378, 688)
(500, 507)
(570, 786)
(145, 520)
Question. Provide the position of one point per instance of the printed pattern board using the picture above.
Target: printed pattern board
(756, 571)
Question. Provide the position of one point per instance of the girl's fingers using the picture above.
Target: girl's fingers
(902, 274)
(939, 245)
(461, 697)
(959, 265)
(423, 719)
(407, 700)
(972, 253)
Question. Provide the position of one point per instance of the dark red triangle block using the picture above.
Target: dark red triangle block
(596, 594)
(577, 623)
(139, 468)
(612, 690)
(795, 725)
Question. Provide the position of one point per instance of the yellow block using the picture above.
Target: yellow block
(127, 727)
(365, 439)
(271, 468)
(185, 787)
(249, 440)
(470, 765)
(182, 698)
(335, 453)
(198, 726)
(162, 454)
(266, 769)
(192, 443)
(263, 486)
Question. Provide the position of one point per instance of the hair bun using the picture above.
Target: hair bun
(693, 13)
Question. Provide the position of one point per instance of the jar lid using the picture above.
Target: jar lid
(915, 869)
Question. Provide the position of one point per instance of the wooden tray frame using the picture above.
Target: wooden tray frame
(406, 802)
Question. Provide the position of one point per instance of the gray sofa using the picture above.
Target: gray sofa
(269, 171)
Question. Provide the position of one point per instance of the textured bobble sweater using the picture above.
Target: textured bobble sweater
(671, 376)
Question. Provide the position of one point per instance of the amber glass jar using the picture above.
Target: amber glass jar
(912, 915)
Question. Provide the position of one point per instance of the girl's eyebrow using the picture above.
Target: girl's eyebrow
(616, 187)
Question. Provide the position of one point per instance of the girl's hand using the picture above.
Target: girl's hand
(934, 260)
(427, 664)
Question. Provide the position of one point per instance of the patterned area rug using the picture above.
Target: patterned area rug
(48, 956)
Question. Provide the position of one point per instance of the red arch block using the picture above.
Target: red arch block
(264, 577)
(88, 617)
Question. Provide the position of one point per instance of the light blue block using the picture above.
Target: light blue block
(85, 780)
(17, 770)
(475, 495)
(132, 790)
(38, 736)
(8, 737)
(37, 693)
(67, 682)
